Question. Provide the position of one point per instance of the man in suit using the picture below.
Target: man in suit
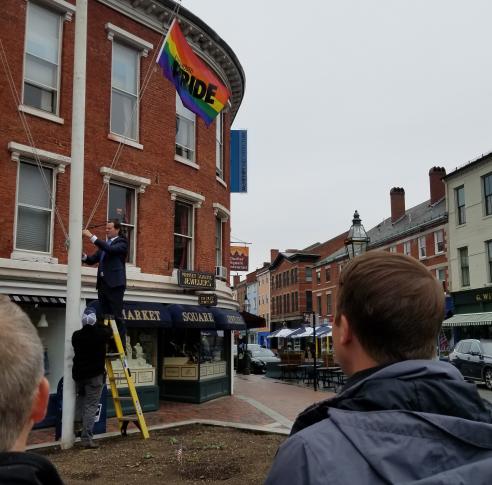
(111, 272)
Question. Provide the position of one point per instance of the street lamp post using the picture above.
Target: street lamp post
(310, 317)
(247, 360)
(357, 239)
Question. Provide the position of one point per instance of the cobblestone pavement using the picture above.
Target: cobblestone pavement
(257, 401)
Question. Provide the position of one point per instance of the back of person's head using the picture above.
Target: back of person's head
(394, 306)
(21, 370)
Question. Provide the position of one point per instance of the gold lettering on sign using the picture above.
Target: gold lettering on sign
(142, 315)
(197, 317)
(483, 296)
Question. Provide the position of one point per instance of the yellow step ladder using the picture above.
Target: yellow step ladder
(123, 421)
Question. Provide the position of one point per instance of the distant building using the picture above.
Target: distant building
(469, 203)
(419, 231)
(291, 281)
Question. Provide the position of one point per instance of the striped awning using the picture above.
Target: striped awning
(39, 300)
(468, 320)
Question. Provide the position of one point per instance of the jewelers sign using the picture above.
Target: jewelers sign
(239, 258)
(193, 280)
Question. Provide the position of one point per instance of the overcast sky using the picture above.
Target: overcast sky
(346, 99)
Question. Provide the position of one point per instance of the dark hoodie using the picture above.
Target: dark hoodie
(413, 422)
(18, 468)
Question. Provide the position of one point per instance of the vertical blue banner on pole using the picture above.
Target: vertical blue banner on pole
(239, 161)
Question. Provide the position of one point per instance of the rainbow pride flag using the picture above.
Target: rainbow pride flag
(198, 87)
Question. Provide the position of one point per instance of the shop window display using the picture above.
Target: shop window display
(141, 354)
(192, 354)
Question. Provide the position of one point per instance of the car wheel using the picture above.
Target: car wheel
(487, 374)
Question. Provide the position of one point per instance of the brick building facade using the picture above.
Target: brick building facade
(157, 167)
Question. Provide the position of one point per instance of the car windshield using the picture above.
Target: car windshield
(487, 348)
(263, 353)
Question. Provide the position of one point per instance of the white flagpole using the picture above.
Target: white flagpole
(72, 319)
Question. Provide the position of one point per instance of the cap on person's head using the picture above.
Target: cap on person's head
(89, 318)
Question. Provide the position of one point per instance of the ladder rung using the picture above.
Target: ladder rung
(113, 354)
(128, 418)
(117, 378)
(123, 398)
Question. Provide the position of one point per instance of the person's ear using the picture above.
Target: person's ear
(40, 402)
(345, 331)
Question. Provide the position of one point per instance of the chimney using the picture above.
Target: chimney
(437, 189)
(273, 254)
(397, 195)
(235, 280)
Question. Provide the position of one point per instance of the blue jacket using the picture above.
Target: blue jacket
(404, 424)
(112, 266)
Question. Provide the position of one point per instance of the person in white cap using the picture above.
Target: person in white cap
(88, 372)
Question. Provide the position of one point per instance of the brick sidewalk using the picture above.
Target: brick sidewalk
(257, 401)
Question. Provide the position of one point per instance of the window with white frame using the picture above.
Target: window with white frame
(34, 208)
(439, 241)
(329, 304)
(441, 276)
(407, 248)
(488, 245)
(185, 131)
(487, 193)
(309, 274)
(121, 206)
(183, 235)
(422, 247)
(124, 91)
(219, 146)
(460, 204)
(392, 249)
(218, 242)
(464, 265)
(42, 58)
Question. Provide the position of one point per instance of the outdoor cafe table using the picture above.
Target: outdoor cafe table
(328, 375)
(288, 370)
(305, 371)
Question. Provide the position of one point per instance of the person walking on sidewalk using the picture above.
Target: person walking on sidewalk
(403, 416)
(88, 372)
(111, 272)
(24, 395)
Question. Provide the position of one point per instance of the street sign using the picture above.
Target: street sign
(194, 280)
(207, 300)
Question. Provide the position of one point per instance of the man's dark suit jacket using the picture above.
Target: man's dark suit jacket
(113, 264)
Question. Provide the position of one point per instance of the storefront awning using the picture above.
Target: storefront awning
(253, 321)
(191, 316)
(228, 319)
(468, 320)
(282, 333)
(38, 300)
(141, 314)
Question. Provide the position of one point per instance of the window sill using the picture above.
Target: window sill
(41, 114)
(33, 257)
(125, 141)
(185, 161)
(221, 181)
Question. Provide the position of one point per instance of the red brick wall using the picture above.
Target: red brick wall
(156, 133)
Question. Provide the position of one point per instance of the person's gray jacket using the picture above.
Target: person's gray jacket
(396, 440)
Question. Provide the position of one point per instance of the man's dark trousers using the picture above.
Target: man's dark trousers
(111, 303)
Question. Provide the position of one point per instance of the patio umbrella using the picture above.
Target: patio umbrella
(323, 331)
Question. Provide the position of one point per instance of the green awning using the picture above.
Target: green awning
(468, 320)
